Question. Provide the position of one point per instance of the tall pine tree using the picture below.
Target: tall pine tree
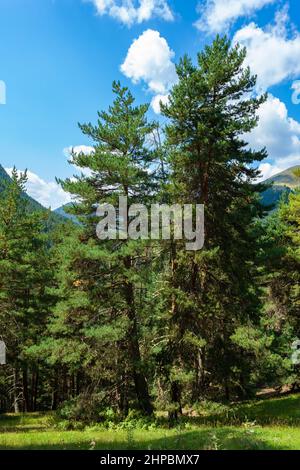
(213, 290)
(111, 273)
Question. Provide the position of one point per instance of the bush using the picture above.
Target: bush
(84, 408)
(90, 410)
(208, 408)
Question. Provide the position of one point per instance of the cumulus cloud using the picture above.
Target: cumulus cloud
(149, 60)
(218, 15)
(156, 102)
(77, 149)
(134, 11)
(272, 52)
(47, 193)
(280, 134)
(267, 170)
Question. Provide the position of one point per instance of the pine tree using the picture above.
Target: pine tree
(270, 346)
(25, 278)
(212, 291)
(290, 217)
(111, 274)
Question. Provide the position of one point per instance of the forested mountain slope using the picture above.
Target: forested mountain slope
(282, 185)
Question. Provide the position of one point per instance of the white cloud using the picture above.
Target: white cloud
(134, 11)
(272, 53)
(280, 134)
(77, 149)
(157, 100)
(149, 60)
(267, 170)
(219, 15)
(47, 193)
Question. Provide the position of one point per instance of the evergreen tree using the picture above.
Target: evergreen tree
(290, 217)
(108, 277)
(92, 324)
(270, 346)
(214, 290)
(25, 278)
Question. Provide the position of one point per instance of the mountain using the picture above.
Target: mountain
(286, 178)
(283, 184)
(3, 176)
(62, 212)
(32, 202)
(54, 218)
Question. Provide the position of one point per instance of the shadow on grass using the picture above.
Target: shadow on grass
(229, 429)
(24, 422)
(217, 439)
(275, 411)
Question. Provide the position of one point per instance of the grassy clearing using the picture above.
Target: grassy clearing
(266, 424)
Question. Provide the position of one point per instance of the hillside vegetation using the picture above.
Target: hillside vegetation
(32, 204)
(282, 184)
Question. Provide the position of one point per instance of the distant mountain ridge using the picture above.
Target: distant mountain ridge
(286, 178)
(3, 174)
(33, 204)
(62, 212)
(283, 184)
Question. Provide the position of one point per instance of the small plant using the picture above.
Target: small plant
(92, 445)
(130, 438)
(214, 443)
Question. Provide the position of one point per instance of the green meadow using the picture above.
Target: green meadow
(272, 424)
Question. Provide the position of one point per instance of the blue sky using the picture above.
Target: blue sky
(59, 57)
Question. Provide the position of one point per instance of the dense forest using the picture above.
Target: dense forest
(95, 326)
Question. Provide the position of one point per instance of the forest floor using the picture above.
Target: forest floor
(260, 424)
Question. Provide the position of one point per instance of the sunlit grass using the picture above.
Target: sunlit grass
(264, 424)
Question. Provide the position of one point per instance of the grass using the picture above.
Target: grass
(263, 424)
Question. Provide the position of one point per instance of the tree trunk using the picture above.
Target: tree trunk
(198, 383)
(54, 391)
(122, 373)
(176, 403)
(140, 383)
(175, 388)
(26, 402)
(16, 390)
(34, 389)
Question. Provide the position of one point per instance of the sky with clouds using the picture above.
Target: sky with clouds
(58, 59)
